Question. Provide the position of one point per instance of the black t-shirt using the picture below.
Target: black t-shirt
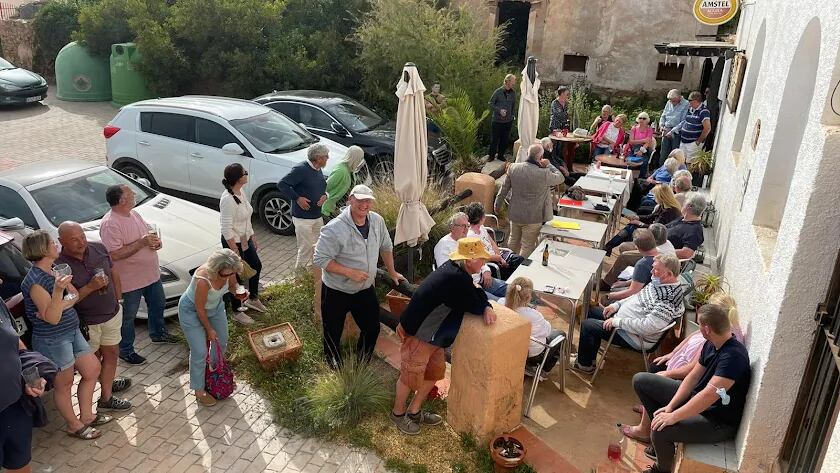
(685, 234)
(732, 362)
(364, 229)
(11, 381)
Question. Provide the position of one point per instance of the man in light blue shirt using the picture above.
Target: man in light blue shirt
(674, 113)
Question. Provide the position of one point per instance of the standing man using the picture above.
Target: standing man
(695, 126)
(529, 185)
(501, 106)
(430, 324)
(348, 251)
(98, 307)
(675, 109)
(133, 249)
(306, 186)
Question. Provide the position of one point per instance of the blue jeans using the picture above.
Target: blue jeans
(197, 337)
(155, 304)
(591, 333)
(497, 289)
(599, 151)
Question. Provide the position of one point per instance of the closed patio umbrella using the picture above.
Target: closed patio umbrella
(410, 171)
(529, 108)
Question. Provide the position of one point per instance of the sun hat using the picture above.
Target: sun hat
(362, 192)
(469, 248)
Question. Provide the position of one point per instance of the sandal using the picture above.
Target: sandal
(86, 433)
(626, 430)
(101, 419)
(638, 408)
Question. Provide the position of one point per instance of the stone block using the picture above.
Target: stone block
(485, 397)
(483, 189)
(18, 40)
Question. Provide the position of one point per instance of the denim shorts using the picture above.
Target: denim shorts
(63, 349)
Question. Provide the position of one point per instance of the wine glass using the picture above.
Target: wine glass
(60, 270)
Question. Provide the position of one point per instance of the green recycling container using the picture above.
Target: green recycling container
(81, 76)
(127, 86)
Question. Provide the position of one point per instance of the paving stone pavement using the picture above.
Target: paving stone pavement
(166, 431)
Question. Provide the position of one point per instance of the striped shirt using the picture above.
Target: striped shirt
(69, 321)
(692, 125)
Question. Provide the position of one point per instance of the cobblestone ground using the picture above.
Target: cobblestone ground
(166, 431)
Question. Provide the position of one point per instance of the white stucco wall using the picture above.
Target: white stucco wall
(778, 293)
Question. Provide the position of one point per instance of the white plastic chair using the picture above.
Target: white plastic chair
(644, 350)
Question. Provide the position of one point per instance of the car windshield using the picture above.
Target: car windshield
(355, 116)
(82, 199)
(273, 132)
(4, 64)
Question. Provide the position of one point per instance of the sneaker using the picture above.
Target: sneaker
(133, 359)
(242, 308)
(426, 418)
(583, 369)
(120, 383)
(651, 453)
(113, 404)
(406, 424)
(531, 371)
(166, 338)
(255, 304)
(206, 400)
(242, 318)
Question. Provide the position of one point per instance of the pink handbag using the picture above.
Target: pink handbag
(218, 379)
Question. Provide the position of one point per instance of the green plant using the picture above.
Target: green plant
(54, 25)
(388, 206)
(460, 125)
(579, 103)
(394, 464)
(104, 23)
(345, 396)
(707, 285)
(704, 162)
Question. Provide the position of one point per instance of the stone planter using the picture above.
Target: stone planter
(507, 453)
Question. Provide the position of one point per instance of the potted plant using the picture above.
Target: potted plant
(507, 452)
(706, 285)
(703, 163)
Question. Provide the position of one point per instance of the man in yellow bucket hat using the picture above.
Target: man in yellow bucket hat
(430, 323)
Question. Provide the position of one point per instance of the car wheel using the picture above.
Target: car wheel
(136, 172)
(276, 213)
(383, 168)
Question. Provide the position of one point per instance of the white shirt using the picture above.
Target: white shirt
(444, 247)
(667, 248)
(236, 218)
(484, 235)
(611, 134)
(540, 328)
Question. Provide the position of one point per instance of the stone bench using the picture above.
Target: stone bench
(706, 458)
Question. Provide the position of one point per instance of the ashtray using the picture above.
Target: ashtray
(274, 340)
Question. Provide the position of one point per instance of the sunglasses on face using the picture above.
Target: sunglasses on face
(226, 275)
(462, 225)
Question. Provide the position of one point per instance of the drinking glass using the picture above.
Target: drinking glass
(100, 272)
(64, 270)
(32, 376)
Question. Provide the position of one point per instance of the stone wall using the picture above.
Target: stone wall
(17, 38)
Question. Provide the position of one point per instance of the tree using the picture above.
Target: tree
(102, 24)
(54, 25)
(447, 45)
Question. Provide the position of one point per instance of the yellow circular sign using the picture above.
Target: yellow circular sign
(715, 12)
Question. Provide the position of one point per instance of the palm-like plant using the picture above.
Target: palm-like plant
(703, 163)
(459, 126)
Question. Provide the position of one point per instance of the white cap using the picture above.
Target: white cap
(362, 192)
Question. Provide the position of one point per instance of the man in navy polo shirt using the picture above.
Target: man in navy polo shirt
(695, 126)
(706, 406)
(306, 187)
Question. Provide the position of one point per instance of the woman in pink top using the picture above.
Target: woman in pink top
(641, 143)
(610, 136)
(678, 363)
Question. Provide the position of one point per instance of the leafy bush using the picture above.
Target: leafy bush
(460, 126)
(343, 397)
(388, 206)
(54, 25)
(447, 45)
(104, 23)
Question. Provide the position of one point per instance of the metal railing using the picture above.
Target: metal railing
(8, 12)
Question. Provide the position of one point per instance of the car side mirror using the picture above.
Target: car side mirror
(144, 181)
(338, 129)
(12, 224)
(233, 149)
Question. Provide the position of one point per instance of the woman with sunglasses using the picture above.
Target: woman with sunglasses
(201, 312)
(237, 234)
(641, 143)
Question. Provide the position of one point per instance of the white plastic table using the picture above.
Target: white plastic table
(590, 232)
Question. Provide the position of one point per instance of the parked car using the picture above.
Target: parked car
(42, 196)
(348, 122)
(182, 145)
(19, 86)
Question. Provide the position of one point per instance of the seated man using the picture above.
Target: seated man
(641, 315)
(458, 227)
(643, 238)
(686, 233)
(430, 323)
(706, 406)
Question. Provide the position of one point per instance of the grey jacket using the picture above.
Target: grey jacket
(500, 100)
(530, 201)
(341, 241)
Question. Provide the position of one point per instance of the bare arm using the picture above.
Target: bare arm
(21, 345)
(50, 306)
(707, 127)
(202, 288)
(685, 387)
(704, 399)
(685, 253)
(130, 249)
(682, 371)
(115, 277)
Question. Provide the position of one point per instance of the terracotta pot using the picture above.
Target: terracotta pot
(397, 302)
(507, 452)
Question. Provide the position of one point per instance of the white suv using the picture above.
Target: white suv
(182, 145)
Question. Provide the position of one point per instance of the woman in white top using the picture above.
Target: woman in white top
(507, 260)
(518, 298)
(237, 234)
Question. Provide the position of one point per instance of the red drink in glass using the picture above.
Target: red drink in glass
(614, 452)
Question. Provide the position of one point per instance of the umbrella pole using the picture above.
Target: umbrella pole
(411, 275)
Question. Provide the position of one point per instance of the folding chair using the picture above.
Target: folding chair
(492, 223)
(546, 346)
(644, 351)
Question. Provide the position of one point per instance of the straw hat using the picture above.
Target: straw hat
(469, 248)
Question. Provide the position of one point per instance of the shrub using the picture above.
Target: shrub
(447, 45)
(460, 125)
(344, 397)
(388, 206)
(104, 23)
(54, 25)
